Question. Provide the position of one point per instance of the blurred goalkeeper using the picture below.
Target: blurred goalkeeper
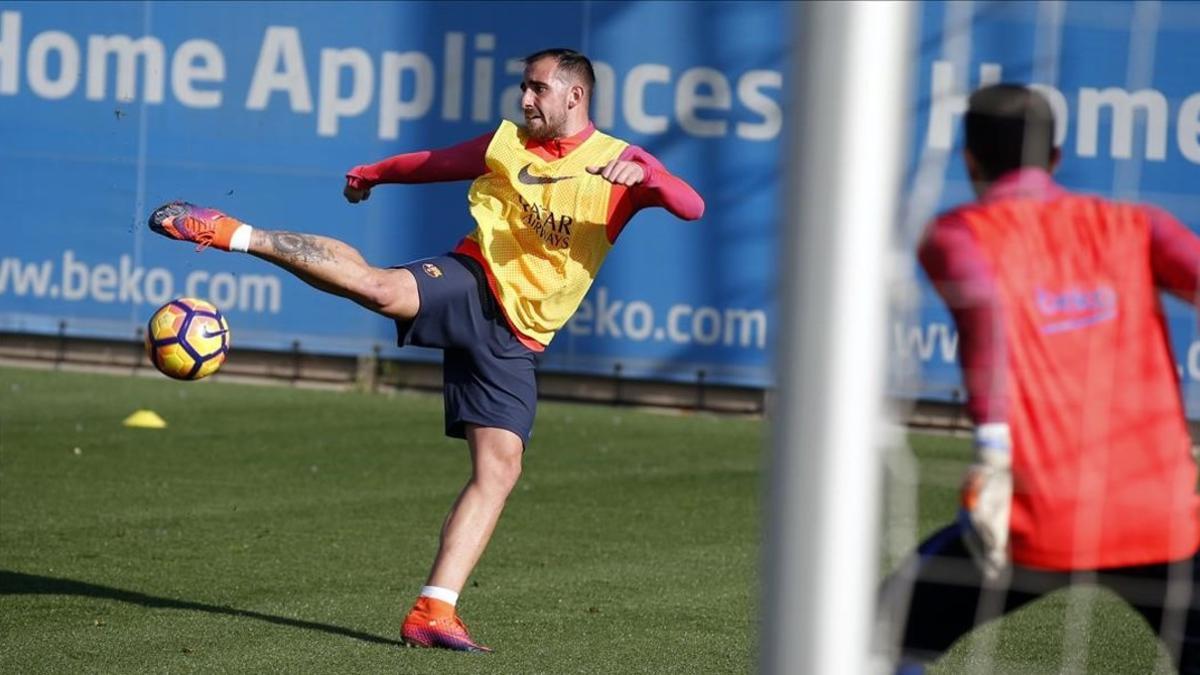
(549, 198)
(1083, 467)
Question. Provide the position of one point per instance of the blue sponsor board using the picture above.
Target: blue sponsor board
(259, 109)
(1128, 112)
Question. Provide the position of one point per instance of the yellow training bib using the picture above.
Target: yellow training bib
(542, 227)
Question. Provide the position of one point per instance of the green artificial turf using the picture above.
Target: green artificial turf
(271, 529)
(279, 530)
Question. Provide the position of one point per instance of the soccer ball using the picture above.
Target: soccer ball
(187, 339)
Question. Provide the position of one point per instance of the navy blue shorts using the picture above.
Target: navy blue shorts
(488, 375)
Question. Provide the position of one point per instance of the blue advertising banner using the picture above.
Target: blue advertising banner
(1127, 105)
(110, 108)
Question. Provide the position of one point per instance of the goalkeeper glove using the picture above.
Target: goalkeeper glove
(987, 499)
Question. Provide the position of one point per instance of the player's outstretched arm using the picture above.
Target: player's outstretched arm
(465, 161)
(650, 184)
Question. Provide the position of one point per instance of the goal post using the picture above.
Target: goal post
(845, 151)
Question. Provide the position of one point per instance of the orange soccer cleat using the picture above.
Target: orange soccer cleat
(188, 222)
(433, 623)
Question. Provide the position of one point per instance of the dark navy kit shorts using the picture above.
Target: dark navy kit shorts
(488, 375)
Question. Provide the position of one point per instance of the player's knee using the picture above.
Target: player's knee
(500, 472)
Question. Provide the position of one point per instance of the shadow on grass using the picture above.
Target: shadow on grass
(17, 583)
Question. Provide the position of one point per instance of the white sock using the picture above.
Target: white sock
(439, 593)
(241, 238)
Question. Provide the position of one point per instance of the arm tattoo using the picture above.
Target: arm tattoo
(299, 247)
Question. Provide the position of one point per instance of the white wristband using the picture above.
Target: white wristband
(993, 443)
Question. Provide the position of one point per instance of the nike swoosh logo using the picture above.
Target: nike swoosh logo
(524, 176)
(212, 334)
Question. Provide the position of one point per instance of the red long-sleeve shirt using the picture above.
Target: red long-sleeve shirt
(1062, 337)
(955, 264)
(466, 161)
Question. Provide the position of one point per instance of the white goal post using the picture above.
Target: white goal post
(848, 124)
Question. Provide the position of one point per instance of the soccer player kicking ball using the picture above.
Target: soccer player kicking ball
(1083, 467)
(549, 199)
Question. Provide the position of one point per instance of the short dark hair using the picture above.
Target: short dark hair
(570, 62)
(1009, 126)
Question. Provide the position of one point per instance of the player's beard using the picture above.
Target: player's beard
(546, 128)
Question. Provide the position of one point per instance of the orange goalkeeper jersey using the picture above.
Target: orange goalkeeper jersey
(1102, 465)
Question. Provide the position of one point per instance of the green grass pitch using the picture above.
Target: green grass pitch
(271, 529)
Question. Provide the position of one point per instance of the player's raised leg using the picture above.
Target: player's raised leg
(324, 263)
(496, 466)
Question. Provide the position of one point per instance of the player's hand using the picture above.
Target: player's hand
(355, 195)
(987, 499)
(620, 172)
